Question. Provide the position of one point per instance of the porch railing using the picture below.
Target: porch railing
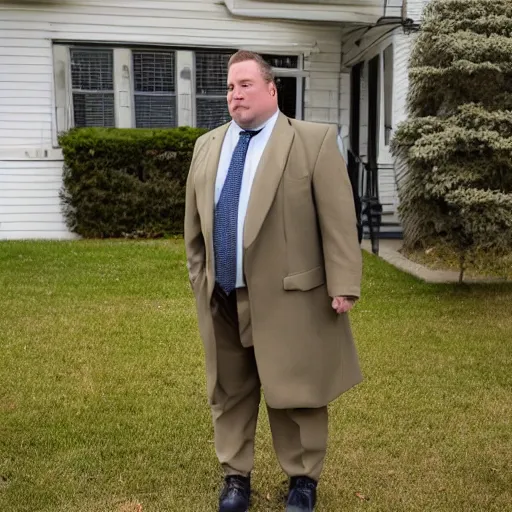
(365, 187)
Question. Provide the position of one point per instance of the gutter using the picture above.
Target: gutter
(304, 12)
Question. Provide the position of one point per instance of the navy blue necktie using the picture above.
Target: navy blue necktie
(226, 216)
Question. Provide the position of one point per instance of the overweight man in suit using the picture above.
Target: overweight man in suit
(275, 265)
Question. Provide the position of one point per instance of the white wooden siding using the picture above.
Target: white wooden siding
(26, 81)
(415, 9)
(345, 104)
(29, 200)
(27, 104)
(402, 44)
(25, 89)
(363, 113)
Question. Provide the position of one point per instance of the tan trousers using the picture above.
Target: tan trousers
(299, 435)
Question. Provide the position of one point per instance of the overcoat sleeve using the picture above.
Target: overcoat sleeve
(194, 240)
(337, 220)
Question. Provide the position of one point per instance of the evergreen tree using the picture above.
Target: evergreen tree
(457, 142)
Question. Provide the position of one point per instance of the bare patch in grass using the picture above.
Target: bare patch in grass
(478, 265)
(130, 506)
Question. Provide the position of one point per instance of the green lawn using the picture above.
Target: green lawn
(102, 394)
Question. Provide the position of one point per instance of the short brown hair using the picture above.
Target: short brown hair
(244, 55)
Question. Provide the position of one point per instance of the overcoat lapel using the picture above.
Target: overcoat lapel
(267, 178)
(264, 188)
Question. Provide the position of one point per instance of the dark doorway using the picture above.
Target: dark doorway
(287, 95)
(372, 209)
(353, 164)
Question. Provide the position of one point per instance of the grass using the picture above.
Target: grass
(102, 399)
(479, 263)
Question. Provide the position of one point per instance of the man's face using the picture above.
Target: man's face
(251, 100)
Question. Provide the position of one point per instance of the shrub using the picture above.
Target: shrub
(126, 182)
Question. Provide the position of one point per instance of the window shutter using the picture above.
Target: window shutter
(93, 87)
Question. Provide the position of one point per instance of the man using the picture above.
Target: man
(275, 265)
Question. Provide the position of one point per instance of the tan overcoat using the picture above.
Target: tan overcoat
(300, 249)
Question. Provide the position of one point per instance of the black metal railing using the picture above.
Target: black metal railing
(365, 184)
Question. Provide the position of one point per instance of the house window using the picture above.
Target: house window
(92, 80)
(211, 86)
(388, 94)
(282, 61)
(154, 78)
(287, 95)
(154, 87)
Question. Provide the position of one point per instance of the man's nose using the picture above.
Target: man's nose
(237, 93)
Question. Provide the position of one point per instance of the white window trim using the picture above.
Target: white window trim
(185, 88)
(62, 95)
(124, 87)
(300, 75)
(384, 156)
(123, 95)
(299, 95)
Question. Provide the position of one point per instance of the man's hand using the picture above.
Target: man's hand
(342, 304)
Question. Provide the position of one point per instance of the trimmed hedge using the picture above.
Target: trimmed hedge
(126, 182)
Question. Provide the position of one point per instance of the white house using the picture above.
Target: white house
(152, 63)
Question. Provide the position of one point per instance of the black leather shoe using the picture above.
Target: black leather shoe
(302, 494)
(236, 494)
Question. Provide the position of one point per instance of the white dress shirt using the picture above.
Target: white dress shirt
(256, 147)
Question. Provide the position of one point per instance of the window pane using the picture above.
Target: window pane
(92, 70)
(287, 95)
(154, 71)
(155, 87)
(153, 111)
(212, 73)
(282, 61)
(93, 109)
(211, 85)
(212, 112)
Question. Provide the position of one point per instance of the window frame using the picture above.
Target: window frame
(74, 91)
(299, 73)
(124, 82)
(134, 93)
(194, 80)
(301, 76)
